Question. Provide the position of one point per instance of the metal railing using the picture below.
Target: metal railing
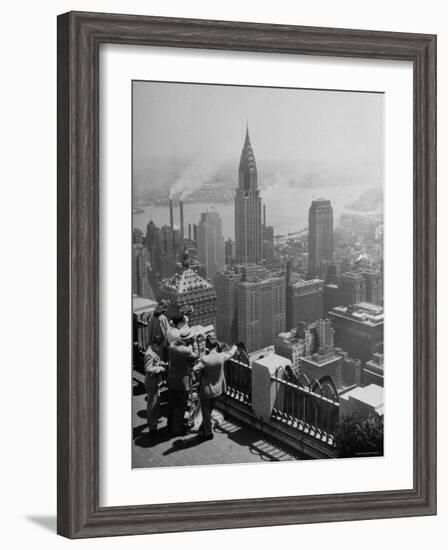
(238, 376)
(309, 406)
(140, 333)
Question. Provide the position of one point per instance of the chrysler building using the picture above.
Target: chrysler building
(248, 220)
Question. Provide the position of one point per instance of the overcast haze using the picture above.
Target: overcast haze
(303, 136)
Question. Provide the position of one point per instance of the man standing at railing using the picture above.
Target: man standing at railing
(212, 382)
(182, 357)
(154, 369)
(158, 326)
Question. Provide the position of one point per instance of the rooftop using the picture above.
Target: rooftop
(321, 359)
(290, 337)
(351, 275)
(273, 361)
(377, 359)
(233, 442)
(309, 282)
(187, 281)
(142, 305)
(261, 281)
(364, 312)
(372, 395)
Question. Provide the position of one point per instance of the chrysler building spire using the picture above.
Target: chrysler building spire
(248, 168)
(248, 230)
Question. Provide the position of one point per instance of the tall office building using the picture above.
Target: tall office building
(304, 302)
(137, 236)
(325, 335)
(248, 219)
(331, 298)
(261, 311)
(229, 252)
(289, 345)
(321, 358)
(374, 286)
(351, 369)
(334, 273)
(140, 280)
(210, 243)
(359, 329)
(170, 246)
(352, 289)
(320, 238)
(226, 287)
(164, 246)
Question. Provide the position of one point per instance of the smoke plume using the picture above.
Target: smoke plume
(192, 178)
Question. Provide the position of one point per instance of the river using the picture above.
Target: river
(286, 209)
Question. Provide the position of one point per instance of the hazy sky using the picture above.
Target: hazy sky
(339, 134)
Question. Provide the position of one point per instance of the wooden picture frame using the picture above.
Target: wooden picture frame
(79, 38)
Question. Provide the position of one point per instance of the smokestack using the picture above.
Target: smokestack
(171, 214)
(189, 231)
(181, 206)
(264, 216)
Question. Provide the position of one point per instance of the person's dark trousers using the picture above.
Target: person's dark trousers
(177, 405)
(153, 407)
(206, 409)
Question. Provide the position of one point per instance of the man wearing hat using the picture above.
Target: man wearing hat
(182, 357)
(158, 326)
(212, 381)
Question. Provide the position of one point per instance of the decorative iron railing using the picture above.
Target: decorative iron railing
(238, 376)
(309, 406)
(140, 333)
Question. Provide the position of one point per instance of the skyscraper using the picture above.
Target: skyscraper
(352, 288)
(140, 280)
(359, 329)
(261, 311)
(248, 218)
(164, 246)
(210, 243)
(226, 287)
(229, 252)
(374, 286)
(287, 344)
(325, 334)
(320, 238)
(304, 302)
(331, 298)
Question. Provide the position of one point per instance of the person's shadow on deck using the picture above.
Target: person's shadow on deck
(147, 440)
(181, 444)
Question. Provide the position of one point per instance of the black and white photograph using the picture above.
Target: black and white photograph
(257, 274)
(208, 208)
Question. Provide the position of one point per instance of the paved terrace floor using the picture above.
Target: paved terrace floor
(232, 443)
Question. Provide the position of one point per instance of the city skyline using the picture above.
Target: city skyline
(302, 137)
(303, 311)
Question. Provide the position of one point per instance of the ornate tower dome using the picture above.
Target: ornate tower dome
(248, 167)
